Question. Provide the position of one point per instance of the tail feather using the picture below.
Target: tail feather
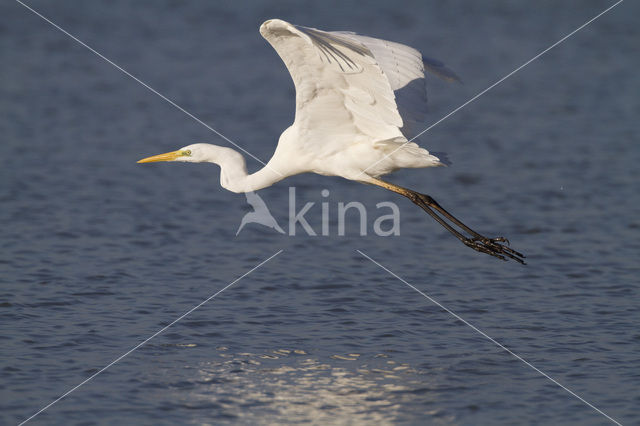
(409, 154)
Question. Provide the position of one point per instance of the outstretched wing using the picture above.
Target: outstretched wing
(404, 68)
(341, 89)
(380, 84)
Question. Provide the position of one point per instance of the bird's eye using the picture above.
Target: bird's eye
(187, 152)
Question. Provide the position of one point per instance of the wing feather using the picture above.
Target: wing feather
(340, 86)
(404, 68)
(348, 83)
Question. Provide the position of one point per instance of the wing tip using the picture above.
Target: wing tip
(440, 70)
(275, 24)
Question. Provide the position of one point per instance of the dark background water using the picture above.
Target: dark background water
(98, 253)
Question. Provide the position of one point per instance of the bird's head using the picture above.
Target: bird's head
(233, 168)
(196, 153)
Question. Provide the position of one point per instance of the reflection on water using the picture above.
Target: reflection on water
(289, 385)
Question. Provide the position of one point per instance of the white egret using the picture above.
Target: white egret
(357, 100)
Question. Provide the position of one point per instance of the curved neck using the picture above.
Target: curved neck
(233, 171)
(240, 181)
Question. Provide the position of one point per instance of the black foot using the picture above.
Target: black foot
(493, 247)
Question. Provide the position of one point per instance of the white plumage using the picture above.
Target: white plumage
(348, 118)
(358, 99)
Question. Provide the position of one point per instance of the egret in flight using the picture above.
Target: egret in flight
(358, 100)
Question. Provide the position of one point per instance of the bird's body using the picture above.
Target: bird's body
(348, 120)
(358, 100)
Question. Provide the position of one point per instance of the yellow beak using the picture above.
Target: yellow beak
(168, 156)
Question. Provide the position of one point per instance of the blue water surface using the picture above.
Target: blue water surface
(98, 253)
